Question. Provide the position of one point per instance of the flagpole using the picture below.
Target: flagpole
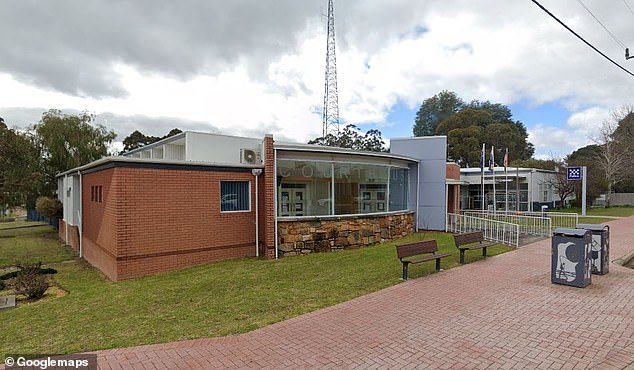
(517, 188)
(482, 178)
(493, 170)
(506, 182)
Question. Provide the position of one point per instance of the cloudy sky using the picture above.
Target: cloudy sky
(250, 67)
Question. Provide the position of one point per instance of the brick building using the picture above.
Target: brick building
(194, 198)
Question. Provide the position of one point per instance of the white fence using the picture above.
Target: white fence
(498, 231)
(529, 225)
(557, 219)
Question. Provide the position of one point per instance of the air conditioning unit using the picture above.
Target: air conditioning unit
(251, 156)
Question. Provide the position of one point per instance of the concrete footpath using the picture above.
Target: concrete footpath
(502, 312)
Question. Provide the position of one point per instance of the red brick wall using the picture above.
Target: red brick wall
(73, 235)
(100, 220)
(153, 220)
(453, 171)
(269, 197)
(453, 191)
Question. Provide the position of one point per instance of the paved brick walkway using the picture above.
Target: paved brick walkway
(502, 312)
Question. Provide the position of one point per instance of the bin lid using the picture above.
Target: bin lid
(592, 227)
(579, 233)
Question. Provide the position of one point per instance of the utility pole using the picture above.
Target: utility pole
(331, 98)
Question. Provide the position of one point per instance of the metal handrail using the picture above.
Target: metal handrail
(497, 231)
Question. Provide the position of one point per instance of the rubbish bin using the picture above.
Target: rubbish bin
(571, 256)
(600, 247)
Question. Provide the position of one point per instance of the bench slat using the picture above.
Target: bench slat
(415, 248)
(429, 258)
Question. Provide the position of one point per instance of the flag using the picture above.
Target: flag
(482, 160)
(506, 160)
(491, 161)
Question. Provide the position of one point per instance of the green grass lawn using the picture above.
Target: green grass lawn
(14, 224)
(216, 299)
(611, 212)
(30, 244)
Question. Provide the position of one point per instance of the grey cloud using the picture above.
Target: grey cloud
(122, 125)
(155, 126)
(72, 45)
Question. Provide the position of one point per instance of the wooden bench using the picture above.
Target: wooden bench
(425, 249)
(471, 241)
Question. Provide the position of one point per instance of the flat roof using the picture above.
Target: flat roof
(335, 150)
(121, 159)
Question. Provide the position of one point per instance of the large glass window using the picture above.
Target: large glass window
(399, 184)
(234, 196)
(307, 188)
(360, 188)
(304, 188)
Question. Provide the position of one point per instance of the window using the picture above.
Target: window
(96, 193)
(235, 196)
(304, 188)
(399, 188)
(312, 188)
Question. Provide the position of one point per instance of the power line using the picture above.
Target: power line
(602, 25)
(581, 38)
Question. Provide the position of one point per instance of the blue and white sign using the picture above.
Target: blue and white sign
(574, 173)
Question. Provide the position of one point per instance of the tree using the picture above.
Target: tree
(543, 164)
(625, 133)
(67, 141)
(499, 112)
(20, 169)
(447, 114)
(596, 184)
(560, 183)
(2, 124)
(350, 137)
(464, 146)
(614, 155)
(435, 110)
(137, 139)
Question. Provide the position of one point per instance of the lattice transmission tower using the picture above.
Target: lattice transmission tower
(331, 99)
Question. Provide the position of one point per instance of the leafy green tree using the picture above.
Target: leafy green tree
(67, 141)
(463, 119)
(137, 139)
(464, 146)
(543, 164)
(624, 134)
(499, 113)
(350, 137)
(448, 115)
(435, 110)
(20, 169)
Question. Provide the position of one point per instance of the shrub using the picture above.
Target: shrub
(48, 207)
(2, 285)
(31, 284)
(30, 280)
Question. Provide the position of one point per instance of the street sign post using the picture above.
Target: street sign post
(575, 174)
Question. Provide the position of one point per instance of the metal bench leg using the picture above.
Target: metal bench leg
(437, 264)
(484, 251)
(405, 271)
(462, 256)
